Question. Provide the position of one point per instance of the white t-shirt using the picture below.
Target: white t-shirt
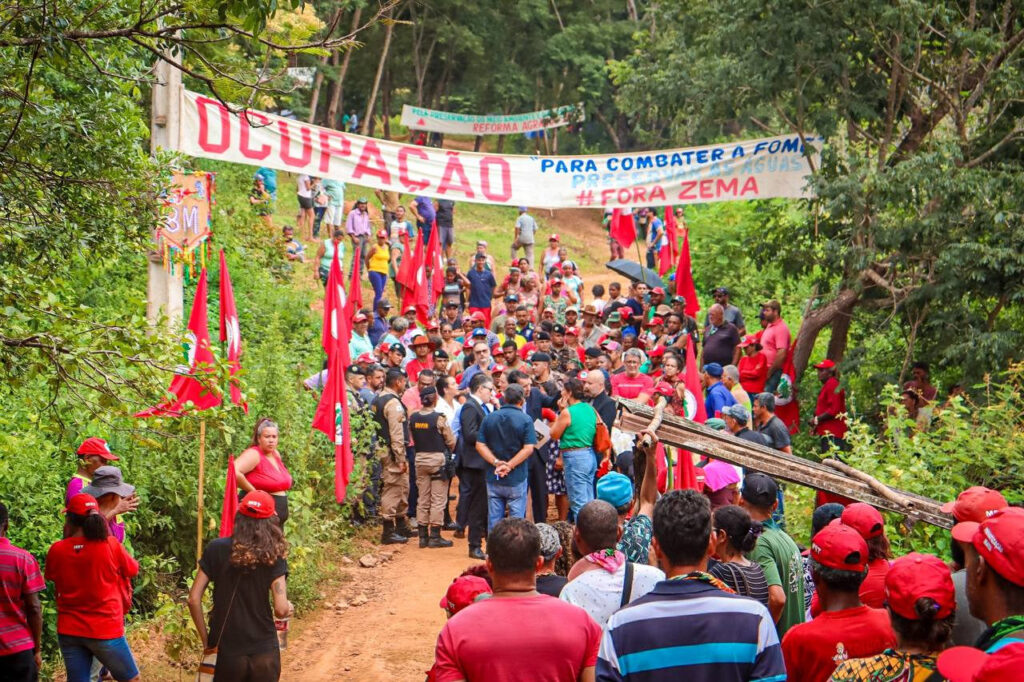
(303, 186)
(599, 592)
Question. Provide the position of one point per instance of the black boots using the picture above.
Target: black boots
(435, 538)
(403, 529)
(476, 553)
(423, 535)
(389, 536)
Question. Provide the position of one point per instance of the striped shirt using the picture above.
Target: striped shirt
(690, 630)
(19, 577)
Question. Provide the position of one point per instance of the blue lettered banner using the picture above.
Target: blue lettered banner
(751, 169)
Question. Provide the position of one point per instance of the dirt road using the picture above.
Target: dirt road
(392, 635)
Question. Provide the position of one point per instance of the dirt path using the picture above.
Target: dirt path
(389, 637)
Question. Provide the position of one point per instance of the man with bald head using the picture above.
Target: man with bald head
(595, 385)
(598, 583)
(721, 339)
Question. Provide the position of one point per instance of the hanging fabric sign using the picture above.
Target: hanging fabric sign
(185, 218)
(752, 169)
(418, 118)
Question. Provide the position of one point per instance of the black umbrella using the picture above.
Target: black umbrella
(635, 272)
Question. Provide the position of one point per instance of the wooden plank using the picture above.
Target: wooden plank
(683, 433)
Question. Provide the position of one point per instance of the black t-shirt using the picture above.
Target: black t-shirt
(551, 584)
(719, 347)
(247, 621)
(776, 433)
(753, 437)
(445, 212)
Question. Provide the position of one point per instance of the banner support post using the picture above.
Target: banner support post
(202, 480)
(163, 289)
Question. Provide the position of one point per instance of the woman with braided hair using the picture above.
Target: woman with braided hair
(735, 534)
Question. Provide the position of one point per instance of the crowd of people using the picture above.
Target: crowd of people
(501, 400)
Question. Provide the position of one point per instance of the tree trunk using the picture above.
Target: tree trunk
(385, 103)
(388, 30)
(337, 102)
(815, 321)
(840, 333)
(318, 80)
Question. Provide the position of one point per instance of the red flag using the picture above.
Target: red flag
(406, 272)
(230, 506)
(334, 307)
(622, 228)
(787, 407)
(332, 412)
(686, 474)
(230, 331)
(684, 278)
(355, 292)
(417, 293)
(435, 261)
(185, 387)
(668, 254)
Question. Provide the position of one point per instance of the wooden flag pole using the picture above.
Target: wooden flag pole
(202, 479)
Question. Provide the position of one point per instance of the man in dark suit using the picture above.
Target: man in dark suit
(471, 512)
(537, 475)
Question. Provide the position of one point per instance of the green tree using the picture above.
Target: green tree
(917, 221)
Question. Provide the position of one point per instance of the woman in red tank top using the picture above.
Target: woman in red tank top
(260, 467)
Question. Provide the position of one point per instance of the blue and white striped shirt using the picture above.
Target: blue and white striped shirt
(690, 630)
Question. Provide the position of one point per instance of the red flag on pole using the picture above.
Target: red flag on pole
(668, 254)
(331, 415)
(187, 389)
(686, 473)
(406, 272)
(417, 293)
(230, 332)
(230, 506)
(435, 261)
(622, 228)
(355, 292)
(684, 278)
(787, 407)
(334, 306)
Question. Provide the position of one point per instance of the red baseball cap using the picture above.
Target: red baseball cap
(96, 446)
(864, 519)
(919, 575)
(825, 364)
(553, 238)
(975, 504)
(359, 317)
(572, 331)
(658, 290)
(656, 352)
(464, 590)
(750, 340)
(365, 358)
(999, 540)
(477, 316)
(655, 321)
(841, 547)
(83, 505)
(382, 234)
(257, 504)
(967, 664)
(383, 347)
(664, 388)
(497, 369)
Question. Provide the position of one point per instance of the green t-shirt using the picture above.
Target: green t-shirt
(780, 559)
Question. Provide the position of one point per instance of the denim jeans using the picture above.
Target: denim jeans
(499, 495)
(378, 280)
(78, 653)
(580, 466)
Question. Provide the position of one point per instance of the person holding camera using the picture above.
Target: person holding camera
(433, 441)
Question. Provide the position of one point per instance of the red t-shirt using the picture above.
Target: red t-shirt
(414, 367)
(753, 372)
(630, 387)
(831, 400)
(813, 649)
(541, 639)
(19, 577)
(872, 590)
(91, 577)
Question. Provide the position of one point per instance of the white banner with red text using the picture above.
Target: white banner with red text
(753, 169)
(451, 123)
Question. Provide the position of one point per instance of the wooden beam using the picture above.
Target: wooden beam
(689, 435)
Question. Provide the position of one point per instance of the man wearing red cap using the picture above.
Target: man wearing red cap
(360, 342)
(829, 420)
(966, 664)
(868, 521)
(846, 629)
(975, 504)
(994, 553)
